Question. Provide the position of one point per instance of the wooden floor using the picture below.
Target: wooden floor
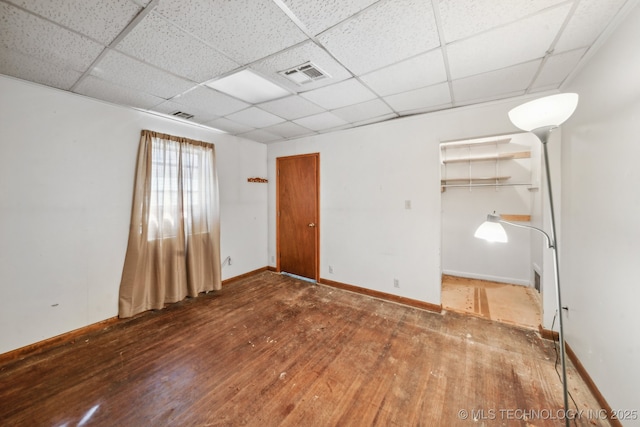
(502, 302)
(274, 351)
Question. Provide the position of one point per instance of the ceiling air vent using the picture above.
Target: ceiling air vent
(305, 73)
(183, 115)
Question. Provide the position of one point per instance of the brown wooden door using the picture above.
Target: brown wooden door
(297, 206)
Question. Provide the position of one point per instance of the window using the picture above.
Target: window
(178, 189)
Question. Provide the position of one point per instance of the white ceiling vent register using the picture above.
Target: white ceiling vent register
(183, 115)
(305, 73)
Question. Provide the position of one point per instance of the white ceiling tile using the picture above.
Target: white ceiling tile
(588, 21)
(557, 68)
(543, 88)
(255, 117)
(102, 20)
(33, 36)
(317, 16)
(259, 135)
(423, 70)
(291, 107)
(522, 41)
(492, 97)
(100, 89)
(341, 94)
(298, 55)
(376, 119)
(343, 127)
(170, 107)
(229, 126)
(246, 30)
(364, 111)
(203, 98)
(161, 43)
(200, 115)
(495, 83)
(463, 18)
(430, 109)
(289, 130)
(321, 121)
(25, 67)
(384, 34)
(421, 98)
(124, 71)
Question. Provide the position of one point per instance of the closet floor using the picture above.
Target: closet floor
(512, 304)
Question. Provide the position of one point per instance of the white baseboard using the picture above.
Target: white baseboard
(510, 280)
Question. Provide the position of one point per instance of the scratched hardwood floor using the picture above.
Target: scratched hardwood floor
(514, 304)
(274, 351)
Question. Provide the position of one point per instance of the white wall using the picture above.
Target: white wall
(601, 212)
(465, 208)
(366, 174)
(66, 180)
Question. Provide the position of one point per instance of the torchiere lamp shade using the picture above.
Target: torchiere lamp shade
(544, 112)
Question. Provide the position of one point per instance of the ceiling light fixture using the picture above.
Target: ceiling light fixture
(249, 87)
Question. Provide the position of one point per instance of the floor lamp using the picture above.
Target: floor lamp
(541, 117)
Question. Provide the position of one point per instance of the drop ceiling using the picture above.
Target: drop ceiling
(384, 59)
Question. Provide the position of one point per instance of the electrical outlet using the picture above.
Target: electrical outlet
(331, 269)
(396, 283)
(407, 204)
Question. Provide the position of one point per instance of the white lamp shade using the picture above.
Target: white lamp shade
(491, 232)
(548, 111)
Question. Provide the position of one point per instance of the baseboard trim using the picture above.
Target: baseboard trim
(548, 334)
(383, 295)
(592, 386)
(582, 371)
(42, 346)
(243, 276)
(46, 344)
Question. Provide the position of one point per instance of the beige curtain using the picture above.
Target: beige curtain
(174, 237)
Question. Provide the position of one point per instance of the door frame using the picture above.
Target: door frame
(317, 213)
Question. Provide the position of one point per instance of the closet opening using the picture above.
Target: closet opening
(496, 281)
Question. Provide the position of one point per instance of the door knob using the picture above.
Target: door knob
(312, 224)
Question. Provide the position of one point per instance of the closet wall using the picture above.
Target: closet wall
(480, 176)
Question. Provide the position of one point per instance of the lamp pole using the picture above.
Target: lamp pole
(543, 135)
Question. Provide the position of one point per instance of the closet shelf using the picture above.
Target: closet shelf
(483, 179)
(476, 143)
(499, 156)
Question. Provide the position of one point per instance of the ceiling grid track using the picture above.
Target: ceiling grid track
(134, 22)
(551, 49)
(443, 47)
